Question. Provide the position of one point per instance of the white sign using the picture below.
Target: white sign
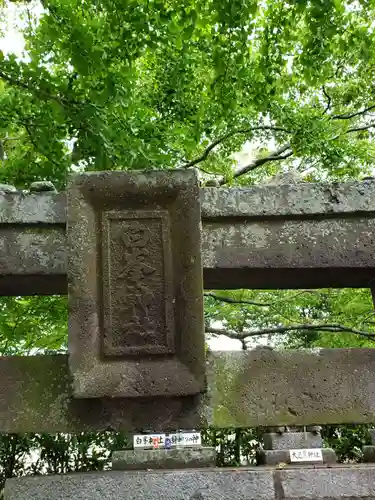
(175, 440)
(306, 455)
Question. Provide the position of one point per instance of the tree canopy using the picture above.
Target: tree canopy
(164, 84)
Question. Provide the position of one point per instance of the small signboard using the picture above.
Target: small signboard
(306, 455)
(173, 440)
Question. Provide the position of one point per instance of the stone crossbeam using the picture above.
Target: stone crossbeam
(257, 388)
(299, 236)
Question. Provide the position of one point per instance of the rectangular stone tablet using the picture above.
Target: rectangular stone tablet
(135, 284)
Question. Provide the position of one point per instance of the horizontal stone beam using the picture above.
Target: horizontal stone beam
(285, 201)
(298, 236)
(306, 483)
(289, 200)
(261, 387)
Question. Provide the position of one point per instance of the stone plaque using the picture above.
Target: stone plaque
(135, 284)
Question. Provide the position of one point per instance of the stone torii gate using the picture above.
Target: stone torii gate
(130, 249)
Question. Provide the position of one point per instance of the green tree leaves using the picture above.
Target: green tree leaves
(148, 84)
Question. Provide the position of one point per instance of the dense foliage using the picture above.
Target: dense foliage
(153, 84)
(164, 84)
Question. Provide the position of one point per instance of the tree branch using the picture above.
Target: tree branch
(358, 129)
(223, 138)
(274, 156)
(27, 86)
(36, 146)
(333, 328)
(329, 100)
(230, 300)
(348, 116)
(354, 129)
(278, 154)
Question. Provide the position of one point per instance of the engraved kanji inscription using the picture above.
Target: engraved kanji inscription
(138, 305)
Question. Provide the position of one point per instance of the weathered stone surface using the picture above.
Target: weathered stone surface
(269, 241)
(48, 209)
(36, 396)
(164, 459)
(291, 228)
(33, 257)
(7, 188)
(250, 232)
(32, 244)
(372, 435)
(26, 260)
(135, 282)
(258, 388)
(284, 253)
(275, 457)
(368, 453)
(300, 200)
(42, 186)
(291, 440)
(249, 222)
(137, 278)
(291, 387)
(369, 450)
(161, 485)
(331, 483)
(309, 483)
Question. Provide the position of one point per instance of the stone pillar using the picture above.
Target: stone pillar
(285, 446)
(369, 450)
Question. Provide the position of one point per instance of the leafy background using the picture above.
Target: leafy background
(242, 91)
